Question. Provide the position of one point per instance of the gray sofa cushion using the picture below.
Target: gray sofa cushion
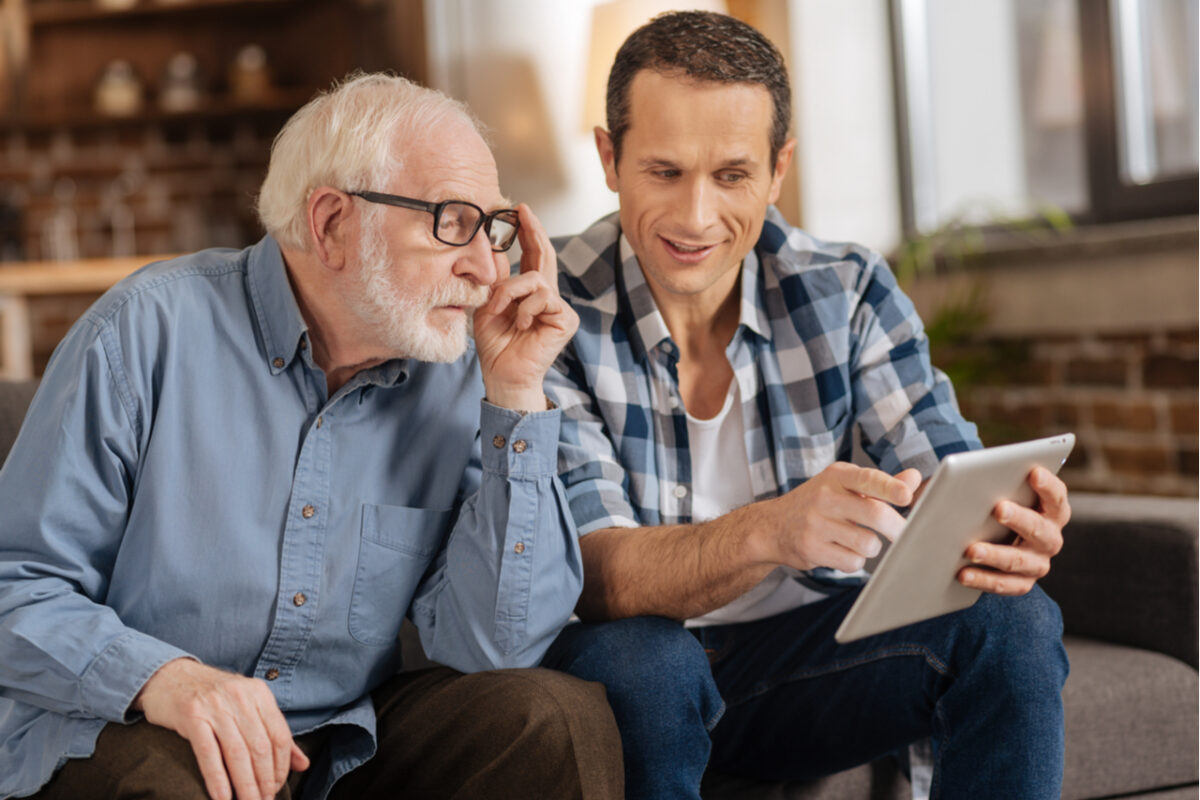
(1125, 732)
(1130, 580)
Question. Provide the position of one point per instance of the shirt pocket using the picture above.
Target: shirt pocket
(396, 547)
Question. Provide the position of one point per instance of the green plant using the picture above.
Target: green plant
(958, 242)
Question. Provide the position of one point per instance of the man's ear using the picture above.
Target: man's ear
(782, 161)
(604, 146)
(329, 226)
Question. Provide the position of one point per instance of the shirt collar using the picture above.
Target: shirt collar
(650, 329)
(283, 329)
(275, 308)
(753, 313)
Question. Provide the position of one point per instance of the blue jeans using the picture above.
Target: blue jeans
(779, 699)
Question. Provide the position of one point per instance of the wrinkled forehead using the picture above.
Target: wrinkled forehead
(449, 161)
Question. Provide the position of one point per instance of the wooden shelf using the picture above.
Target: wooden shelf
(22, 280)
(66, 12)
(284, 101)
(26, 278)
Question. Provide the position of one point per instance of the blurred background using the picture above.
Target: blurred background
(1028, 166)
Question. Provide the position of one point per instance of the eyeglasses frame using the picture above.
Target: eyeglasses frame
(485, 217)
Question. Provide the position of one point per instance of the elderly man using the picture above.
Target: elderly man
(723, 364)
(242, 470)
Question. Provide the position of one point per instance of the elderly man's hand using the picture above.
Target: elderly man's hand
(522, 328)
(239, 736)
(1013, 569)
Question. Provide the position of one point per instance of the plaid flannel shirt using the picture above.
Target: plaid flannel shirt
(826, 344)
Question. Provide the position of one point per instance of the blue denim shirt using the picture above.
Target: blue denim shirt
(183, 486)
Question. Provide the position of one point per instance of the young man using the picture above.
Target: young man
(242, 470)
(723, 363)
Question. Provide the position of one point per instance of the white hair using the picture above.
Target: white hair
(346, 138)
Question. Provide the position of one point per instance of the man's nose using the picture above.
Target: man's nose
(476, 260)
(698, 206)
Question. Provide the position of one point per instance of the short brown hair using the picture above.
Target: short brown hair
(704, 46)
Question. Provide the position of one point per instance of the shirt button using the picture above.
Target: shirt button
(278, 363)
(307, 512)
(519, 446)
(520, 548)
(680, 491)
(299, 599)
(272, 674)
(320, 421)
(498, 441)
(304, 344)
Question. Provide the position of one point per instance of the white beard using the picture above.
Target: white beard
(400, 319)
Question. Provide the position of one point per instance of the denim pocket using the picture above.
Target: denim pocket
(396, 546)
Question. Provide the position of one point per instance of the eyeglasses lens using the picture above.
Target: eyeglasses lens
(503, 230)
(458, 223)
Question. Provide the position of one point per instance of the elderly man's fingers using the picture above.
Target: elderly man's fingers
(300, 761)
(280, 737)
(212, 765)
(513, 289)
(537, 253)
(239, 763)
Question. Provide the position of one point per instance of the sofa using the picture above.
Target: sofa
(1126, 581)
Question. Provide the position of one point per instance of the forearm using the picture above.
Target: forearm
(674, 571)
(67, 654)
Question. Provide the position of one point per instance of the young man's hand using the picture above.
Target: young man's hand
(828, 520)
(1012, 569)
(241, 740)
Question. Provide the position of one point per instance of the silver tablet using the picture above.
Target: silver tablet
(917, 577)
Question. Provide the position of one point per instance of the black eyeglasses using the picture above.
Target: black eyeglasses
(455, 222)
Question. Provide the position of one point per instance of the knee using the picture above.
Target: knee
(1032, 618)
(639, 656)
(1022, 637)
(564, 721)
(139, 760)
(552, 698)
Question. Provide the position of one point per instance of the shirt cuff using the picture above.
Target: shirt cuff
(520, 445)
(120, 671)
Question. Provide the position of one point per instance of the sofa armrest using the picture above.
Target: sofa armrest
(1127, 573)
(14, 402)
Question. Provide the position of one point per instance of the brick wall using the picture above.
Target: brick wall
(1130, 399)
(1094, 331)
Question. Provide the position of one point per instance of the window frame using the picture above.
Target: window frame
(1110, 199)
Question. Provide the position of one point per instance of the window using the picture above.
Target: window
(1007, 108)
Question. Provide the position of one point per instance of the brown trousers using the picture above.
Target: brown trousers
(506, 734)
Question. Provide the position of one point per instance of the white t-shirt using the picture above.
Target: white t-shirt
(721, 483)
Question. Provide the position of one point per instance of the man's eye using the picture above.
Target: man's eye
(731, 177)
(666, 173)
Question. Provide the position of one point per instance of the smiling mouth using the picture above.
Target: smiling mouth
(687, 252)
